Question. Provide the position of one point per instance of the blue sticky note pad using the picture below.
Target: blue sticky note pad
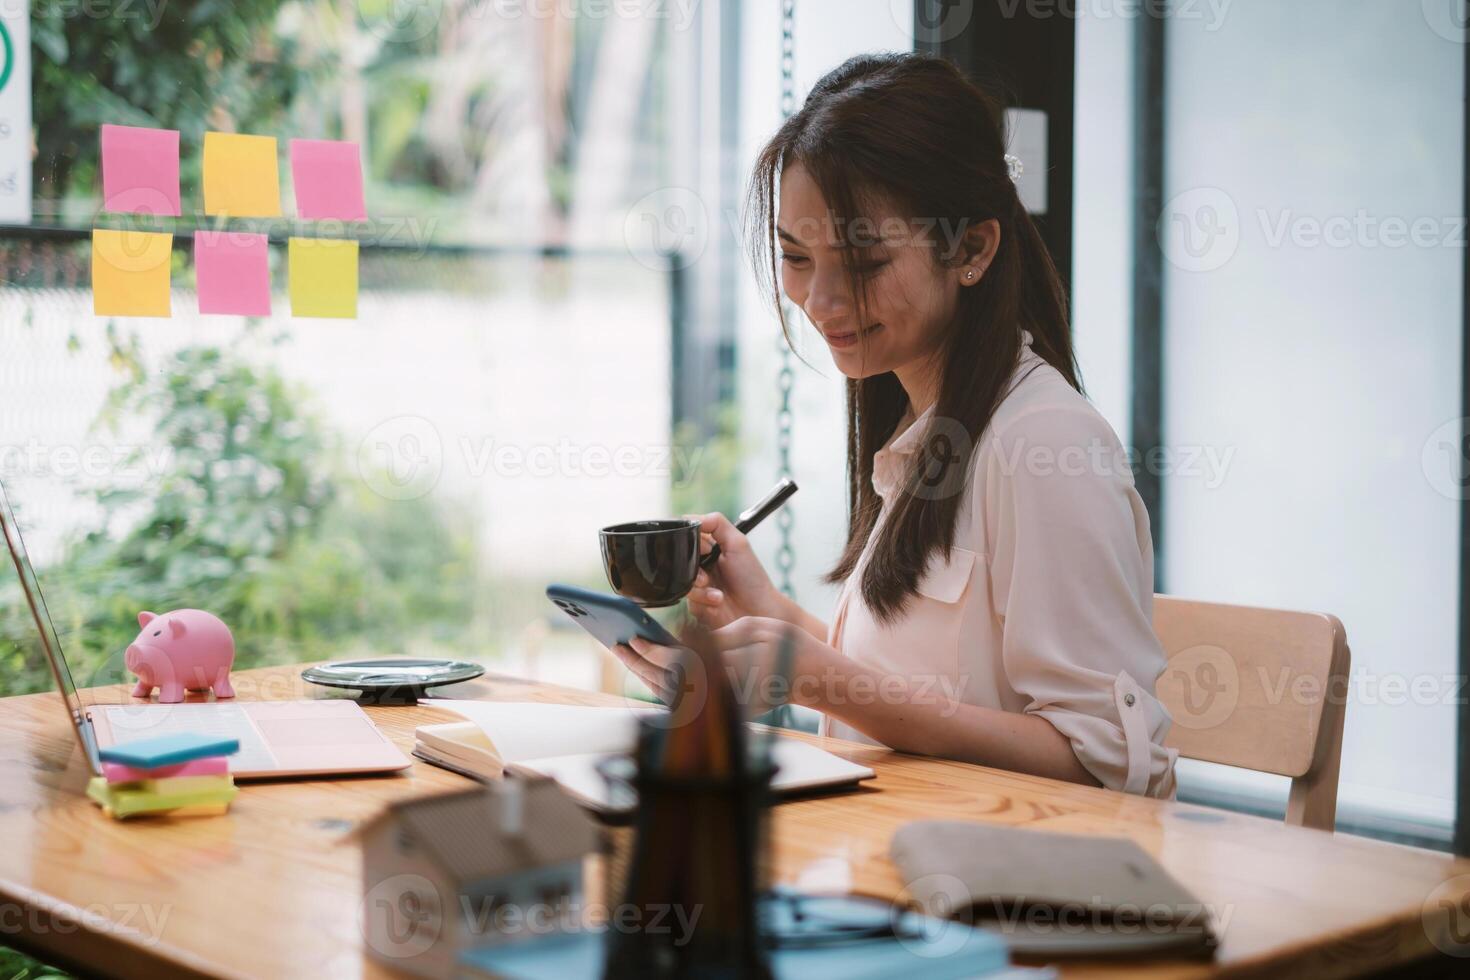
(168, 750)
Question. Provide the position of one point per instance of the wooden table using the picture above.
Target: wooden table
(273, 888)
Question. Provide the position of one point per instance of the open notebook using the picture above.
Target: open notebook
(566, 742)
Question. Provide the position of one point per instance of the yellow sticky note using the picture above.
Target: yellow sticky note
(323, 274)
(131, 273)
(241, 176)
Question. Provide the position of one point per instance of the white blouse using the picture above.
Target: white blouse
(1045, 604)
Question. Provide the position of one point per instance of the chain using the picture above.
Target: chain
(786, 378)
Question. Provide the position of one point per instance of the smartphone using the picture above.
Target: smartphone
(610, 619)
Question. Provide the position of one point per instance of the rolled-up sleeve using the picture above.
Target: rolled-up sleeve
(1072, 582)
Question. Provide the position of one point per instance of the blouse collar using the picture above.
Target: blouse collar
(888, 462)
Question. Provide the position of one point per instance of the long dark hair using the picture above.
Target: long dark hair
(911, 131)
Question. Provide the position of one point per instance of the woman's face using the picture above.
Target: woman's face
(911, 296)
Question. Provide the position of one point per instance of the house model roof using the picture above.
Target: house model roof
(464, 833)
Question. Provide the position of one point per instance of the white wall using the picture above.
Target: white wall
(1325, 366)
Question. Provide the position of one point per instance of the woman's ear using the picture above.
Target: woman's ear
(977, 250)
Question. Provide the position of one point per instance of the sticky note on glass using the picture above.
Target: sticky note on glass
(323, 274)
(130, 273)
(327, 176)
(140, 170)
(232, 273)
(241, 176)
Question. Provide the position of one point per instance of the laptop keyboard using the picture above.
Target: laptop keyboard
(132, 723)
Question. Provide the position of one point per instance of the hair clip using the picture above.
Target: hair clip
(1014, 167)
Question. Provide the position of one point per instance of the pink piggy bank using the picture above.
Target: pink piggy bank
(183, 650)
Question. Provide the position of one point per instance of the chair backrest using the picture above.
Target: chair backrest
(1262, 689)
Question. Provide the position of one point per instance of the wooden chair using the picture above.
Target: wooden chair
(1261, 689)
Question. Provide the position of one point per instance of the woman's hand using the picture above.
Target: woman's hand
(738, 586)
(750, 650)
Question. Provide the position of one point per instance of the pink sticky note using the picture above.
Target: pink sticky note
(327, 175)
(232, 270)
(140, 170)
(214, 765)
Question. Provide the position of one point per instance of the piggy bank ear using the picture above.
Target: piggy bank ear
(176, 628)
(144, 618)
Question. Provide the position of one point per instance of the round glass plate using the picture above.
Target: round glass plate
(402, 677)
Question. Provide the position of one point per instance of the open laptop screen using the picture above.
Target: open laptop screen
(50, 642)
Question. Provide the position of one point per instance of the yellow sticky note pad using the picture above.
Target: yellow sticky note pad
(241, 176)
(131, 273)
(323, 275)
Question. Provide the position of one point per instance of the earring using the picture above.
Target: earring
(970, 276)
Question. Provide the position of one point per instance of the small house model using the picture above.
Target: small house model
(449, 873)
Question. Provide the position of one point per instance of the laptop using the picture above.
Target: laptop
(277, 738)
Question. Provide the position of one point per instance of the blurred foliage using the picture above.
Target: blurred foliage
(462, 112)
(18, 966)
(256, 519)
(207, 64)
(708, 479)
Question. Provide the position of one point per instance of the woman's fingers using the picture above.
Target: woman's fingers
(706, 596)
(742, 632)
(726, 534)
(656, 679)
(706, 539)
(709, 617)
(660, 656)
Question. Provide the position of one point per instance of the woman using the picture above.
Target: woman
(998, 575)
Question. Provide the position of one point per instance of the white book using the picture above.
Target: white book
(566, 742)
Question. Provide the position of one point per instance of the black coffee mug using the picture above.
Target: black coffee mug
(651, 562)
